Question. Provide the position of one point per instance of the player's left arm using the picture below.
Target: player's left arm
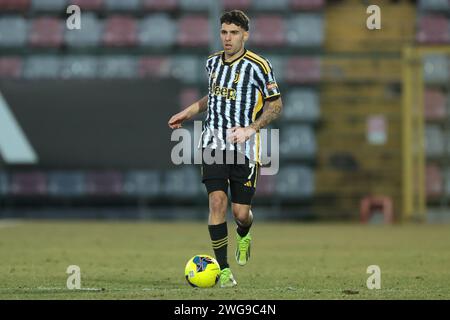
(271, 112)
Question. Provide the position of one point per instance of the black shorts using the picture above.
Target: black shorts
(241, 178)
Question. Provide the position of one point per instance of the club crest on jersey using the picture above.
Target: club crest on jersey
(236, 78)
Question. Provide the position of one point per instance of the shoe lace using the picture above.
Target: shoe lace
(225, 274)
(243, 244)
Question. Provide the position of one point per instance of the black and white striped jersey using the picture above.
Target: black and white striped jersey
(237, 91)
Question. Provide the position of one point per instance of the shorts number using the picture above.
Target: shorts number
(252, 168)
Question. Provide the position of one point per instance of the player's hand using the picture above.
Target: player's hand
(239, 134)
(177, 119)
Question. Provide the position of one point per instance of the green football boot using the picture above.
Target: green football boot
(243, 249)
(227, 279)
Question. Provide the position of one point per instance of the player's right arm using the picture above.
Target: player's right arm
(194, 109)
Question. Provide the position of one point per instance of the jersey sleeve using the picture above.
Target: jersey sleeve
(267, 83)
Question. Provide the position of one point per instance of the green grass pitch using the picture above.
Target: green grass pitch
(145, 260)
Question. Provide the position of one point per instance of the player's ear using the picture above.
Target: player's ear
(246, 35)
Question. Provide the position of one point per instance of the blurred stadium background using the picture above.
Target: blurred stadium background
(83, 113)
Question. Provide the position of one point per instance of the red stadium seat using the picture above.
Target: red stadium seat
(434, 181)
(193, 31)
(435, 105)
(29, 184)
(46, 32)
(265, 186)
(188, 96)
(302, 70)
(104, 183)
(268, 31)
(158, 67)
(236, 4)
(14, 5)
(120, 31)
(93, 5)
(10, 67)
(433, 29)
(307, 4)
(159, 5)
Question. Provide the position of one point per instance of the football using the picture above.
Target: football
(202, 271)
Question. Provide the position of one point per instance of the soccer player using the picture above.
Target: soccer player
(240, 83)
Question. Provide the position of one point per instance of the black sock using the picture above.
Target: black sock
(243, 230)
(219, 239)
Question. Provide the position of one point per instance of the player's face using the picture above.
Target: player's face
(233, 38)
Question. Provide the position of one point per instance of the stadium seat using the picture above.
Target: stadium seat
(268, 31)
(433, 29)
(108, 183)
(302, 105)
(193, 31)
(4, 184)
(270, 5)
(188, 96)
(370, 205)
(120, 31)
(307, 4)
(305, 30)
(13, 31)
(159, 5)
(142, 183)
(236, 4)
(436, 69)
(46, 32)
(14, 5)
(193, 5)
(49, 5)
(154, 67)
(79, 67)
(433, 181)
(435, 104)
(10, 67)
(66, 184)
(28, 184)
(295, 182)
(302, 70)
(157, 31)
(298, 141)
(90, 5)
(42, 67)
(89, 35)
(186, 68)
(121, 5)
(184, 182)
(438, 5)
(447, 181)
(434, 141)
(117, 67)
(265, 186)
(277, 62)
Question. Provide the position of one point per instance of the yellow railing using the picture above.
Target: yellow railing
(413, 131)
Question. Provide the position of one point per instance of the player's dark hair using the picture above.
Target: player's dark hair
(236, 17)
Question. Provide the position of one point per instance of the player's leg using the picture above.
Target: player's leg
(244, 219)
(243, 179)
(215, 178)
(217, 224)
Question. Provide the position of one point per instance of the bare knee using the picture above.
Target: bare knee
(242, 213)
(218, 204)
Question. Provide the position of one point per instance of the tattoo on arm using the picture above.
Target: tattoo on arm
(271, 113)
